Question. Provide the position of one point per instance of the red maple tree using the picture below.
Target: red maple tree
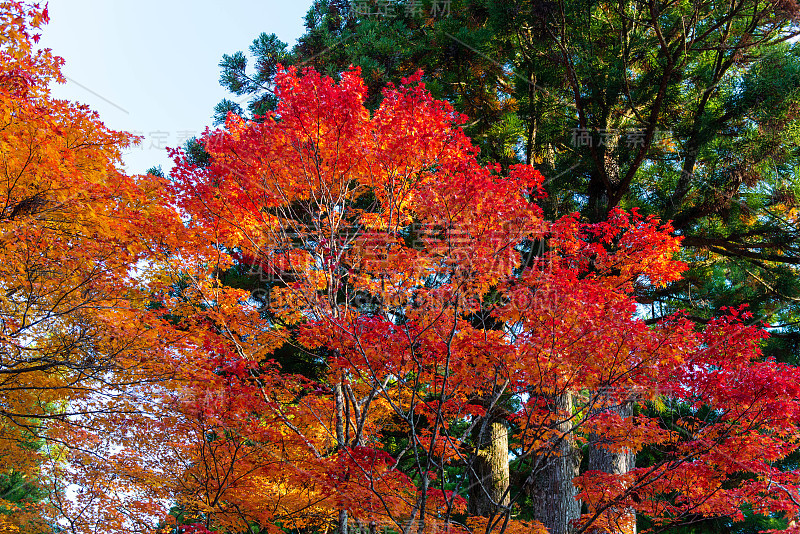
(393, 257)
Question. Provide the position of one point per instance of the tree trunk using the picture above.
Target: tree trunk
(614, 462)
(551, 487)
(489, 477)
(339, 398)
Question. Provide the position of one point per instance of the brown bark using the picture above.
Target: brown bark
(614, 462)
(340, 400)
(551, 487)
(489, 476)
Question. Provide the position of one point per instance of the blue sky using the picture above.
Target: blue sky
(151, 67)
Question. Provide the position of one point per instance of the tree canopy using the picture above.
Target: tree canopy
(362, 308)
(395, 256)
(682, 109)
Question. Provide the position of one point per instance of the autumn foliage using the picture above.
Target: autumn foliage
(428, 291)
(389, 253)
(76, 241)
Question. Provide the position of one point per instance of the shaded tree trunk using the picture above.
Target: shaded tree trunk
(489, 476)
(340, 400)
(551, 487)
(614, 462)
